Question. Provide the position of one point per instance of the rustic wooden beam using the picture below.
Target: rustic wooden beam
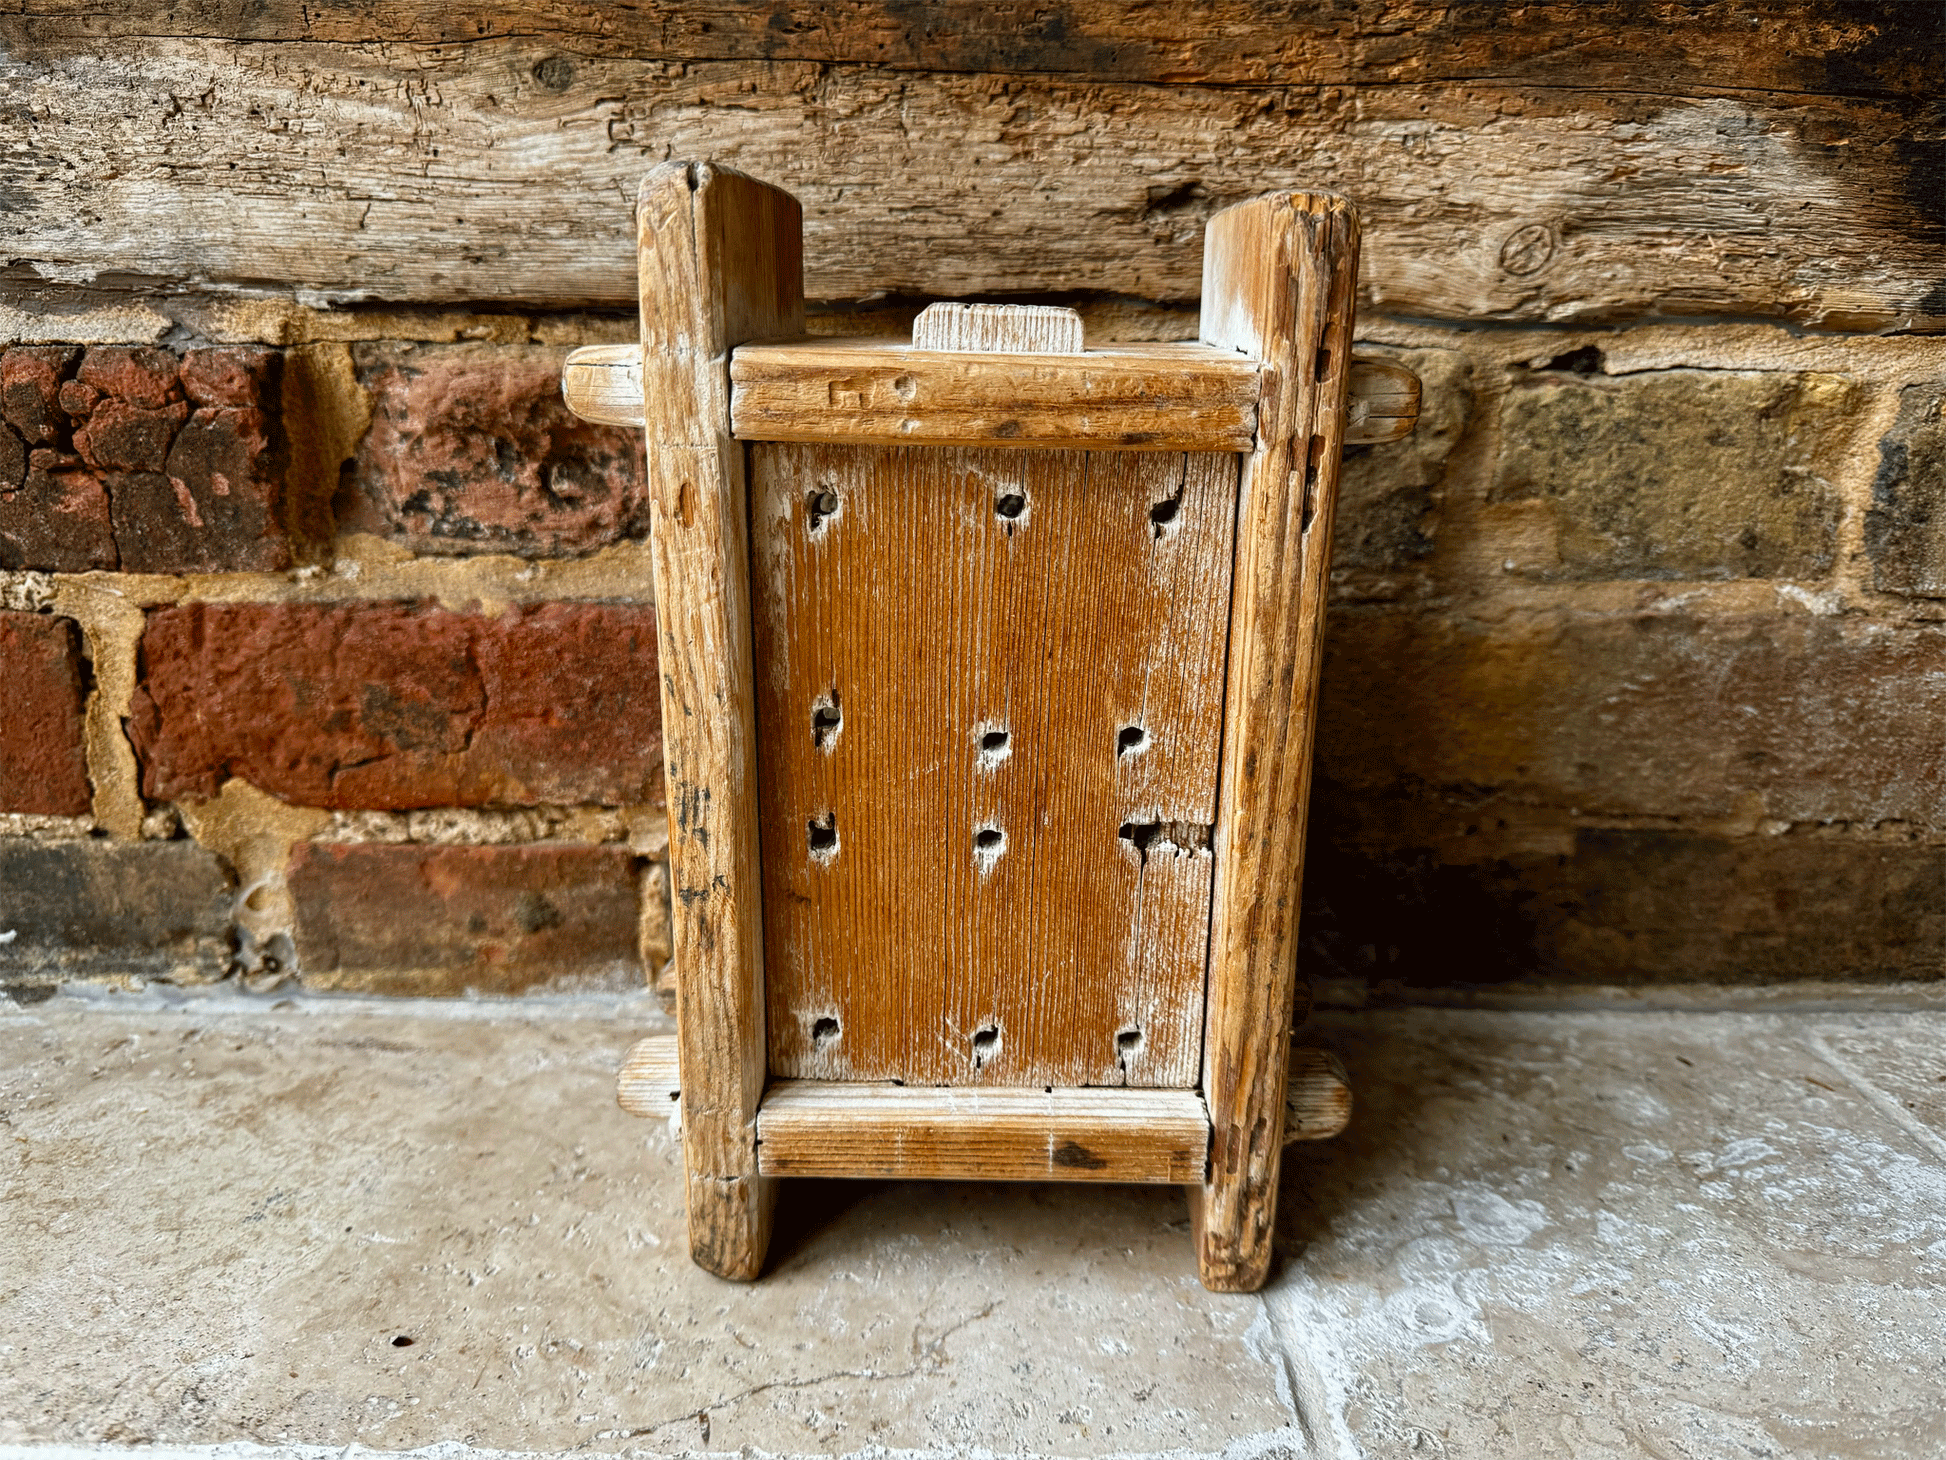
(823, 1128)
(720, 263)
(409, 172)
(892, 394)
(1278, 280)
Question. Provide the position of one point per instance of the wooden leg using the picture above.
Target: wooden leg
(719, 262)
(1278, 278)
(729, 1223)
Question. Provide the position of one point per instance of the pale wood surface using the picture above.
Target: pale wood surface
(779, 396)
(719, 264)
(1047, 329)
(408, 170)
(1148, 397)
(650, 1080)
(814, 1128)
(894, 595)
(1278, 281)
(1317, 1096)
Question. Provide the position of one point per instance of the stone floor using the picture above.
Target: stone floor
(232, 1227)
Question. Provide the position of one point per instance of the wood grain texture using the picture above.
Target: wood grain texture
(1143, 397)
(815, 1128)
(604, 383)
(1828, 47)
(719, 265)
(402, 171)
(912, 602)
(1029, 329)
(1317, 1096)
(1278, 286)
(650, 1080)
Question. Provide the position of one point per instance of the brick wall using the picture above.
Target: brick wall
(1636, 669)
(326, 634)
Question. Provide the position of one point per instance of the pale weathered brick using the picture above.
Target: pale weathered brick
(1678, 473)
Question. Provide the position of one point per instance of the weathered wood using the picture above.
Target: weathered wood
(1144, 397)
(1317, 1096)
(1317, 1092)
(719, 264)
(1044, 329)
(604, 383)
(1279, 275)
(1709, 47)
(816, 1128)
(411, 172)
(958, 643)
(1381, 402)
(782, 402)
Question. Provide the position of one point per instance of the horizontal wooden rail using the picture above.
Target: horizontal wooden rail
(825, 1128)
(1133, 397)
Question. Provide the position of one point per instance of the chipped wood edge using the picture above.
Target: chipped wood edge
(1278, 283)
(720, 263)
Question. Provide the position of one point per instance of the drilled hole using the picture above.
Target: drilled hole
(1131, 739)
(820, 504)
(987, 839)
(986, 1043)
(993, 741)
(823, 833)
(1128, 1042)
(1009, 505)
(989, 845)
(1323, 366)
(403, 1341)
(824, 1031)
(1164, 512)
(826, 720)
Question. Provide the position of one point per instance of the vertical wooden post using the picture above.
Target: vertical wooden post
(721, 263)
(1278, 284)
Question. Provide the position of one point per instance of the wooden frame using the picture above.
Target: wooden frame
(722, 363)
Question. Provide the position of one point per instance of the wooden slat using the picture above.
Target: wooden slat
(1278, 280)
(719, 261)
(818, 1128)
(604, 383)
(491, 170)
(894, 594)
(1145, 397)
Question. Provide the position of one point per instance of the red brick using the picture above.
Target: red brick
(471, 450)
(120, 436)
(58, 521)
(444, 920)
(233, 375)
(139, 374)
(43, 768)
(30, 387)
(392, 706)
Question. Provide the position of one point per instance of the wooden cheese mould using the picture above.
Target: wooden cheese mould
(989, 669)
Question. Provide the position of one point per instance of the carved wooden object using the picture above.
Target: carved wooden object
(990, 665)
